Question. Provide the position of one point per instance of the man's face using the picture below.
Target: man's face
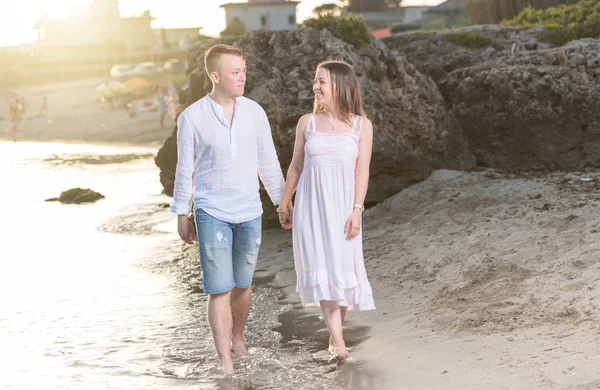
(231, 74)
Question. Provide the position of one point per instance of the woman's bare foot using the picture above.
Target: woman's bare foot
(331, 348)
(238, 347)
(339, 355)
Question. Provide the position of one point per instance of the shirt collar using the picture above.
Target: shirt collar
(218, 106)
(218, 109)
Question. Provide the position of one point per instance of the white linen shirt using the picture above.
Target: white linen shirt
(218, 167)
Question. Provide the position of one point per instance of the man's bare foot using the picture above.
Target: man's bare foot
(227, 367)
(238, 348)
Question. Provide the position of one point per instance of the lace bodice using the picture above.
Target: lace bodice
(331, 148)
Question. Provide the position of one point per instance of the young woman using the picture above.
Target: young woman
(329, 173)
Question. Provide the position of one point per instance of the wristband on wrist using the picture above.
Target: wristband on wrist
(360, 207)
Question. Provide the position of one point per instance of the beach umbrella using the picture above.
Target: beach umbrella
(136, 83)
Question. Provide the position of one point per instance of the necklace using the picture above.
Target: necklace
(332, 127)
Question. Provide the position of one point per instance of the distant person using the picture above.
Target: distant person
(224, 144)
(107, 96)
(17, 110)
(43, 113)
(23, 104)
(44, 109)
(110, 101)
(132, 108)
(132, 104)
(172, 99)
(162, 104)
(329, 173)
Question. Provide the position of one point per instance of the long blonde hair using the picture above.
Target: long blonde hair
(345, 88)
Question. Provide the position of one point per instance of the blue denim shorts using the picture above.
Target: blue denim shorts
(228, 252)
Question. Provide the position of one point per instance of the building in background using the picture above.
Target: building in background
(263, 14)
(136, 32)
(181, 38)
(412, 14)
(406, 15)
(445, 15)
(378, 15)
(100, 25)
(360, 6)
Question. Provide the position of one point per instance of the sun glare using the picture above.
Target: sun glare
(18, 18)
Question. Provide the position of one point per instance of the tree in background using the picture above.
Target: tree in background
(494, 11)
(564, 23)
(351, 28)
(394, 3)
(236, 27)
(327, 9)
(358, 6)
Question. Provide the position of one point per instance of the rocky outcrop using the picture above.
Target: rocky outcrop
(436, 56)
(538, 110)
(521, 103)
(77, 196)
(414, 132)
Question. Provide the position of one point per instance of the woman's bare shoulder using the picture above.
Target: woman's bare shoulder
(366, 124)
(303, 121)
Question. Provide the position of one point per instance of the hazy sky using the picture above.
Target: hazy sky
(18, 17)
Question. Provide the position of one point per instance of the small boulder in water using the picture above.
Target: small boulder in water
(77, 195)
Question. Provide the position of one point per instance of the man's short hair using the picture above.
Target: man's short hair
(215, 52)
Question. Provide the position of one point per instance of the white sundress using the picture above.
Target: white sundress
(329, 266)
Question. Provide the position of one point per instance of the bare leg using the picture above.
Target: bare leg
(332, 314)
(220, 321)
(331, 348)
(240, 306)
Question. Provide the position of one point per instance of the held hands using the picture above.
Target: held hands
(185, 229)
(352, 227)
(286, 213)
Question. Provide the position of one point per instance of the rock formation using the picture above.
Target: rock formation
(414, 132)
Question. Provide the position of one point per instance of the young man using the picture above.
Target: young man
(223, 141)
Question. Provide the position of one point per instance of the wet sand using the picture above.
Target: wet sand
(122, 304)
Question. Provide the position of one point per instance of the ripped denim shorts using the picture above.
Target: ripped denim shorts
(228, 252)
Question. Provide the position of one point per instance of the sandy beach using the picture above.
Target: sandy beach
(482, 280)
(77, 115)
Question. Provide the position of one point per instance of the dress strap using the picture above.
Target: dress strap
(311, 123)
(356, 119)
